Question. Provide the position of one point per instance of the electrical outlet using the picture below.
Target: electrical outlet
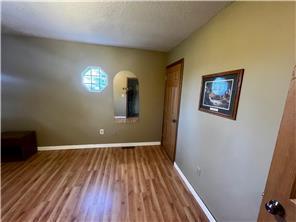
(198, 171)
(101, 131)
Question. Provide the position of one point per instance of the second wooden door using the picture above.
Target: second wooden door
(279, 200)
(171, 107)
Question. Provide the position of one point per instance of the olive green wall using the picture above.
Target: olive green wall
(234, 156)
(42, 91)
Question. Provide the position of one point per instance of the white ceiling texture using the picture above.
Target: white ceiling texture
(153, 25)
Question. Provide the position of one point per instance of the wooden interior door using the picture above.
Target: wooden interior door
(279, 200)
(171, 107)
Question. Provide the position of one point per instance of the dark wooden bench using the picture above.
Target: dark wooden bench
(17, 145)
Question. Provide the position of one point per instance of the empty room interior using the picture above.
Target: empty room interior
(148, 111)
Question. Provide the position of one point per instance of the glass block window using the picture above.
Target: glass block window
(94, 79)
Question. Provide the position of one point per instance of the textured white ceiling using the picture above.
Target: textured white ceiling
(146, 25)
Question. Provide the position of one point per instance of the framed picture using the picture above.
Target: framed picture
(220, 93)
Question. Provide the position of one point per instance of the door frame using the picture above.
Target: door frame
(180, 61)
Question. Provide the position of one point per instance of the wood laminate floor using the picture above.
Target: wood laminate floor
(110, 184)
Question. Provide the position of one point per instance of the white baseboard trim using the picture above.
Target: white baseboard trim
(93, 146)
(195, 195)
